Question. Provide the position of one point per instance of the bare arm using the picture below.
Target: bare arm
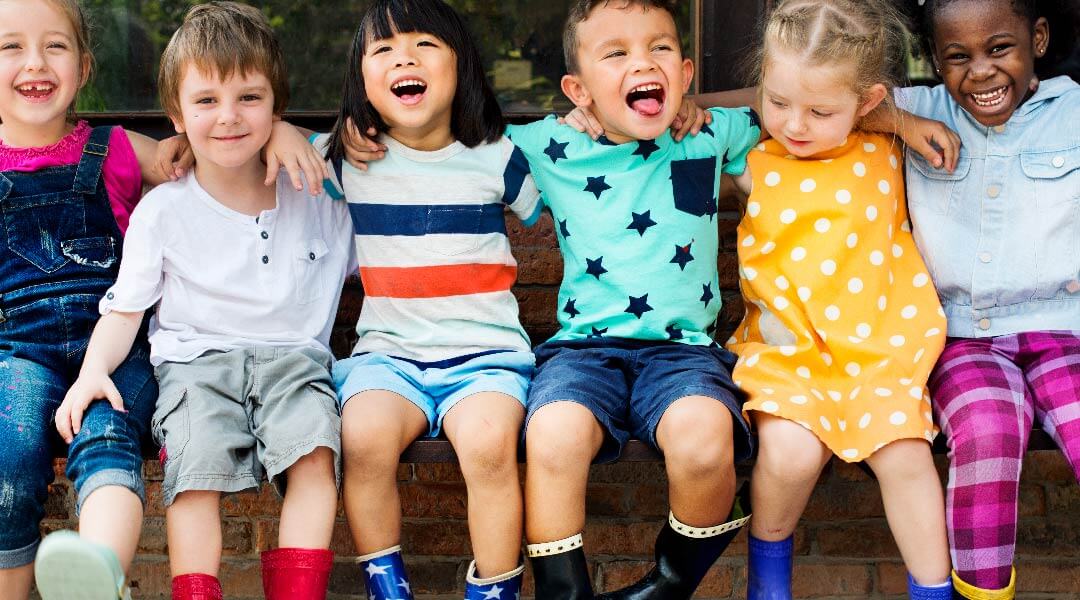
(938, 144)
(146, 149)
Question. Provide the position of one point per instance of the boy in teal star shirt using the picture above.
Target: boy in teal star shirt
(635, 214)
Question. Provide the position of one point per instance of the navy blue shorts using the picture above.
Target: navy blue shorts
(629, 384)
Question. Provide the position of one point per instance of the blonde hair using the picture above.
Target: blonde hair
(223, 38)
(869, 35)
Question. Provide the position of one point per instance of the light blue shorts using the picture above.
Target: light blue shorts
(436, 387)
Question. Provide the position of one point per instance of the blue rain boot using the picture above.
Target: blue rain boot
(769, 574)
(501, 587)
(384, 575)
(942, 591)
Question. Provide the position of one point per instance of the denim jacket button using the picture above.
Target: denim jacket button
(999, 129)
(993, 191)
(1058, 162)
(984, 324)
(985, 257)
(1073, 286)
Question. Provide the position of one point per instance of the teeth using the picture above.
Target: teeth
(647, 87)
(35, 87)
(406, 82)
(991, 98)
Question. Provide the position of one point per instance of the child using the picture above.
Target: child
(640, 296)
(244, 280)
(441, 347)
(842, 325)
(1000, 239)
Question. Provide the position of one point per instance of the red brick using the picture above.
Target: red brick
(1052, 576)
(816, 580)
(434, 500)
(608, 500)
(153, 538)
(844, 500)
(868, 539)
(539, 266)
(892, 578)
(620, 538)
(262, 503)
(1047, 465)
(1062, 499)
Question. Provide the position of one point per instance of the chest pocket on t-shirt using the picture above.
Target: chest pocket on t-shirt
(693, 185)
(454, 229)
(310, 282)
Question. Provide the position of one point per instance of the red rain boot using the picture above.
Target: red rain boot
(296, 573)
(196, 586)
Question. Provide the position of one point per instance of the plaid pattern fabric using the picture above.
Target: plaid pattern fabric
(986, 393)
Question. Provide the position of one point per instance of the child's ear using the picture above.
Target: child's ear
(1040, 37)
(576, 91)
(178, 124)
(688, 74)
(873, 98)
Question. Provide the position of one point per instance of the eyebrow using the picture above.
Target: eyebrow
(990, 40)
(619, 41)
(212, 91)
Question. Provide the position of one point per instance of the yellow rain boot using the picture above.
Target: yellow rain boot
(966, 590)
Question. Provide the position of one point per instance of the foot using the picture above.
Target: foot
(70, 568)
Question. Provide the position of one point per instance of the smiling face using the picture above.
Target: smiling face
(985, 53)
(811, 108)
(227, 122)
(411, 80)
(41, 69)
(631, 72)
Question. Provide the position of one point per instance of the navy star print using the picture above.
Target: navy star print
(571, 309)
(682, 256)
(598, 332)
(645, 148)
(638, 306)
(707, 293)
(755, 120)
(674, 333)
(597, 186)
(595, 267)
(555, 150)
(641, 222)
(706, 129)
(563, 230)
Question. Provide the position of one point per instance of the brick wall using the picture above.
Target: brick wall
(844, 548)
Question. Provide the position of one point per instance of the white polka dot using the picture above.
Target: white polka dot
(863, 330)
(826, 358)
(787, 350)
(835, 395)
(804, 293)
(803, 372)
(822, 225)
(877, 258)
(890, 231)
(753, 360)
(760, 147)
(800, 400)
(919, 355)
(817, 394)
(828, 267)
(871, 213)
(732, 340)
(781, 303)
(893, 162)
(854, 392)
(916, 393)
(883, 392)
(788, 216)
(897, 251)
(852, 240)
(768, 247)
(860, 169)
(843, 196)
(933, 332)
(883, 186)
(892, 279)
(853, 369)
(855, 285)
(869, 147)
(753, 209)
(897, 341)
(905, 381)
(832, 312)
(929, 417)
(770, 406)
(854, 339)
(909, 311)
(882, 303)
(898, 418)
(749, 241)
(920, 280)
(864, 422)
(782, 282)
(768, 391)
(749, 273)
(850, 453)
(772, 179)
(825, 423)
(808, 185)
(905, 227)
(941, 311)
(798, 253)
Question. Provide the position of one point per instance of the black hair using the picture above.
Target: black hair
(475, 114)
(1062, 17)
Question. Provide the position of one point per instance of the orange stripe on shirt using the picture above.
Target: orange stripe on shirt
(437, 282)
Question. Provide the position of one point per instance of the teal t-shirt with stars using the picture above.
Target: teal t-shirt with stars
(636, 224)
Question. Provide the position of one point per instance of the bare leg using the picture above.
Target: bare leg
(307, 515)
(914, 507)
(483, 429)
(112, 516)
(562, 439)
(376, 426)
(193, 526)
(695, 436)
(15, 583)
(790, 460)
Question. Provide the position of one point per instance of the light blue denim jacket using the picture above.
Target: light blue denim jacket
(1001, 234)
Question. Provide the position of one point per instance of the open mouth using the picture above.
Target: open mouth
(647, 99)
(36, 90)
(410, 91)
(991, 98)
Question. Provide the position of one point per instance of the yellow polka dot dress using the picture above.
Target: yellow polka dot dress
(842, 322)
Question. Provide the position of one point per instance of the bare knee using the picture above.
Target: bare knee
(903, 460)
(487, 452)
(313, 466)
(368, 449)
(695, 436)
(562, 434)
(789, 452)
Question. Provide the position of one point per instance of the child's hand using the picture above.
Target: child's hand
(362, 149)
(289, 148)
(583, 120)
(938, 144)
(174, 157)
(86, 390)
(689, 119)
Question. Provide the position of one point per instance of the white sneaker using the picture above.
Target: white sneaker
(70, 568)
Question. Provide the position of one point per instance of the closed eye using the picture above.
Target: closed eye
(818, 113)
(11, 46)
(615, 54)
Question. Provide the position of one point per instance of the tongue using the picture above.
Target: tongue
(646, 106)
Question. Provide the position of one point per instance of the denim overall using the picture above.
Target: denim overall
(59, 253)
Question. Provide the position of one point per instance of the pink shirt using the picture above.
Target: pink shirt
(123, 179)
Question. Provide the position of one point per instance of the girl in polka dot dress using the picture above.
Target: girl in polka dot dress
(842, 323)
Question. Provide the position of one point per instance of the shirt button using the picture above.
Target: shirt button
(266, 259)
(999, 129)
(986, 257)
(1058, 162)
(984, 324)
(993, 191)
(311, 255)
(265, 235)
(110, 295)
(1073, 286)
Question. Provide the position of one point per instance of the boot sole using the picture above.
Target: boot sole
(68, 569)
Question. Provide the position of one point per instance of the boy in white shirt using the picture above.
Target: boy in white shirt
(245, 279)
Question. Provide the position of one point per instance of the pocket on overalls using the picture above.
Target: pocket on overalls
(38, 225)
